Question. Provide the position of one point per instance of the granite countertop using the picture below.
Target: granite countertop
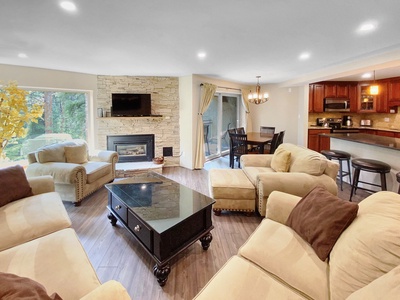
(355, 127)
(368, 139)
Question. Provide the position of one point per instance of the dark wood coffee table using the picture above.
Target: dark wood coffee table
(164, 216)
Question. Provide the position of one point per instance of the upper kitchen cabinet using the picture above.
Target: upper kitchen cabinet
(330, 90)
(382, 98)
(394, 90)
(367, 102)
(316, 98)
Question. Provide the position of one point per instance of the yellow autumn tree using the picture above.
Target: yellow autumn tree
(15, 114)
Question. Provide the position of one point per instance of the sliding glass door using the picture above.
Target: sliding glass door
(221, 115)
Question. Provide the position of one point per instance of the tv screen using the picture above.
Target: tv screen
(130, 105)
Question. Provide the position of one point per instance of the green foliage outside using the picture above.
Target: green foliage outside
(64, 113)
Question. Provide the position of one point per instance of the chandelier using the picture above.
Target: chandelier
(258, 97)
(374, 89)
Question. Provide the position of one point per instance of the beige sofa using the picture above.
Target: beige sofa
(305, 170)
(75, 173)
(276, 263)
(36, 242)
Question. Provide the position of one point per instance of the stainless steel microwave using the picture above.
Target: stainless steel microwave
(336, 104)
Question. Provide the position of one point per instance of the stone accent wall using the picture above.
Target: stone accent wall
(164, 101)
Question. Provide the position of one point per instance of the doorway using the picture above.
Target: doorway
(221, 115)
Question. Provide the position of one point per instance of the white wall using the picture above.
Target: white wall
(283, 110)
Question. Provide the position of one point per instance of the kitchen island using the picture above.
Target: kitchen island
(361, 145)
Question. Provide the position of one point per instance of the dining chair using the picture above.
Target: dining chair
(231, 157)
(271, 147)
(266, 130)
(240, 130)
(280, 138)
(239, 147)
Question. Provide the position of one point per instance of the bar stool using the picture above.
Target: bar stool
(398, 180)
(341, 156)
(368, 165)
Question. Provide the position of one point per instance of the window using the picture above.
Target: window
(64, 117)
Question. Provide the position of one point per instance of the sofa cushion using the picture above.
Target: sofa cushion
(304, 160)
(13, 184)
(253, 172)
(320, 218)
(279, 250)
(76, 154)
(30, 218)
(52, 153)
(281, 160)
(230, 184)
(240, 279)
(16, 287)
(369, 247)
(96, 170)
(57, 260)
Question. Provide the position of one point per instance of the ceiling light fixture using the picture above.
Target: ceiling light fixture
(367, 27)
(68, 5)
(201, 55)
(366, 75)
(22, 55)
(258, 97)
(304, 56)
(374, 89)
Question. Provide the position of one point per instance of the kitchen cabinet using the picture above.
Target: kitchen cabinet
(353, 97)
(316, 98)
(366, 102)
(330, 90)
(385, 133)
(342, 90)
(382, 98)
(315, 142)
(394, 89)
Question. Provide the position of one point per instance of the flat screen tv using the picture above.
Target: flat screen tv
(130, 105)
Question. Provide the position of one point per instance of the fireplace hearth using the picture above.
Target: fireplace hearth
(132, 148)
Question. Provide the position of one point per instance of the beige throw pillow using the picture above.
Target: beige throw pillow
(76, 154)
(281, 160)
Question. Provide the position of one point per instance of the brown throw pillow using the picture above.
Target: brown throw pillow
(13, 185)
(16, 287)
(76, 154)
(320, 218)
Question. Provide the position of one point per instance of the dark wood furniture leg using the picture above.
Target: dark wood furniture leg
(112, 218)
(206, 240)
(161, 272)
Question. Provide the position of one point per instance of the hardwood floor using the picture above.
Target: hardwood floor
(115, 254)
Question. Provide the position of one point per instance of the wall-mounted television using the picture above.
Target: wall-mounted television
(130, 105)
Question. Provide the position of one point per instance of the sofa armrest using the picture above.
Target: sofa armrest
(61, 172)
(41, 184)
(256, 160)
(105, 156)
(280, 205)
(112, 290)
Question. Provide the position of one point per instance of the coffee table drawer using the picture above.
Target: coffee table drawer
(140, 230)
(119, 208)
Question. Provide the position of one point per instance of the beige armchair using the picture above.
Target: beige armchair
(75, 173)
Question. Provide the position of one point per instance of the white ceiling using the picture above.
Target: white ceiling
(242, 39)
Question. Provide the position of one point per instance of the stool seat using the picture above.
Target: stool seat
(398, 180)
(341, 156)
(371, 165)
(335, 154)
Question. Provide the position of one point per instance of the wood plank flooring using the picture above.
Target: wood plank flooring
(115, 254)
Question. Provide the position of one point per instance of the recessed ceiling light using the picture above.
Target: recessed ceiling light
(366, 75)
(68, 5)
(201, 55)
(22, 55)
(304, 56)
(367, 27)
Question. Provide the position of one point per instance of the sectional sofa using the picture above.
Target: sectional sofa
(276, 262)
(38, 247)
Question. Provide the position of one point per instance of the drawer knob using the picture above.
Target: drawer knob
(118, 207)
(137, 228)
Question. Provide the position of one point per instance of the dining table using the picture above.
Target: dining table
(259, 139)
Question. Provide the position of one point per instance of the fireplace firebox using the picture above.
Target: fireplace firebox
(132, 148)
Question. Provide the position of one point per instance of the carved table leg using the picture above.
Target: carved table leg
(112, 218)
(206, 240)
(161, 273)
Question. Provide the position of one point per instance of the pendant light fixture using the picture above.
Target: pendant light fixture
(258, 97)
(374, 89)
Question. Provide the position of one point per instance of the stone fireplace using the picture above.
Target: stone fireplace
(132, 148)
